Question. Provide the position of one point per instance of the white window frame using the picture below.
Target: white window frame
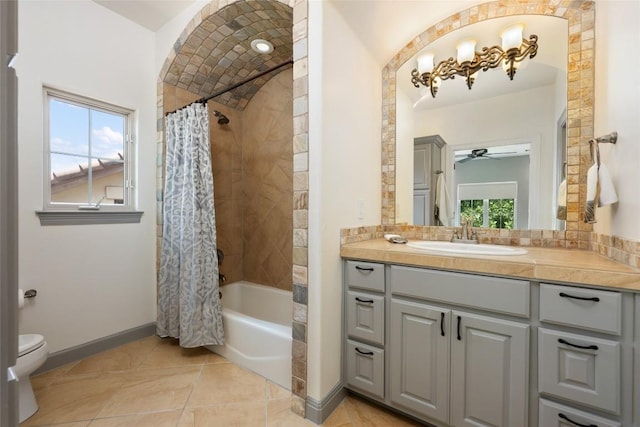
(59, 213)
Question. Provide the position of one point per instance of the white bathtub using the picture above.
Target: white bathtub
(257, 326)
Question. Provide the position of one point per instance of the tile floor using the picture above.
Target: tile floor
(155, 383)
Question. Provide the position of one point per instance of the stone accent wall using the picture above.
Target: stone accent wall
(581, 17)
(300, 205)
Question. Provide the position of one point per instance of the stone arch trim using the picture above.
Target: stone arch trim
(300, 178)
(580, 89)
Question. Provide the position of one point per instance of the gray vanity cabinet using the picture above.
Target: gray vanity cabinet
(460, 349)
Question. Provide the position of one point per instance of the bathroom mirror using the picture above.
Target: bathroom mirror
(501, 133)
(580, 20)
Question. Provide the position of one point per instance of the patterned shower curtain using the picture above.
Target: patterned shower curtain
(188, 302)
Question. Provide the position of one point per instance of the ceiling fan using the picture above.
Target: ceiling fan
(481, 153)
(475, 154)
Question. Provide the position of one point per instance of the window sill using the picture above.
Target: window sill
(86, 218)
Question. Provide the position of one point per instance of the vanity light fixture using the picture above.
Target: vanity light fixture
(468, 62)
(261, 46)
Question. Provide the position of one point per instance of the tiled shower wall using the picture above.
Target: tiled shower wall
(267, 178)
(253, 182)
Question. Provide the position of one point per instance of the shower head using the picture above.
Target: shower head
(222, 119)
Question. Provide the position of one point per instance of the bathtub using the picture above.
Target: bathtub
(257, 327)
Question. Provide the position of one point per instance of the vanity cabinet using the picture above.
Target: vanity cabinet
(460, 349)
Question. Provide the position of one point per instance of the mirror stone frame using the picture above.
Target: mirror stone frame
(580, 98)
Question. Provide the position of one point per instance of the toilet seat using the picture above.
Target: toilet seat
(28, 343)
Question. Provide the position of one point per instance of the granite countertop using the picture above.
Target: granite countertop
(540, 264)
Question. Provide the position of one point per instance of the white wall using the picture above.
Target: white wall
(92, 280)
(617, 108)
(344, 150)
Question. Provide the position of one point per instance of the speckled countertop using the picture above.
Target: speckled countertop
(539, 264)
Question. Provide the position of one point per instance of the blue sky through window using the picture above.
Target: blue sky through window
(73, 144)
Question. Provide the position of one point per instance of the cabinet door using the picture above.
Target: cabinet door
(421, 166)
(365, 316)
(365, 368)
(489, 371)
(420, 356)
(555, 415)
(580, 368)
(421, 207)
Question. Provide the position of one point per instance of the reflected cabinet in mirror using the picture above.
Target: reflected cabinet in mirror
(507, 143)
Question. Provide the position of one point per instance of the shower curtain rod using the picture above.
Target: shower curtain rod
(204, 100)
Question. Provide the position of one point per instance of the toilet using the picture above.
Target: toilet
(32, 353)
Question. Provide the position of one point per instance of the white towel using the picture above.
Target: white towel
(561, 212)
(600, 191)
(442, 210)
(592, 194)
(608, 195)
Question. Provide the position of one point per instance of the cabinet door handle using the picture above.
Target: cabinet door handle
(364, 268)
(594, 299)
(584, 347)
(366, 353)
(564, 417)
(366, 301)
(442, 324)
(459, 336)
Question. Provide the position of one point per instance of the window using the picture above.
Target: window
(490, 205)
(89, 155)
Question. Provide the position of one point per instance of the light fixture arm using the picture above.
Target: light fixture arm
(488, 57)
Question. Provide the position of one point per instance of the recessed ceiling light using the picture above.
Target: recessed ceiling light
(261, 46)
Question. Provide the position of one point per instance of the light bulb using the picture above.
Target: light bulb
(512, 37)
(466, 50)
(425, 63)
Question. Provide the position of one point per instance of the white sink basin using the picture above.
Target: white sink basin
(465, 248)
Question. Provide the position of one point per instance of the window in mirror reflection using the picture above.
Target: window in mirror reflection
(486, 212)
(489, 213)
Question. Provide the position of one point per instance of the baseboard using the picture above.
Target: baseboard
(319, 411)
(73, 354)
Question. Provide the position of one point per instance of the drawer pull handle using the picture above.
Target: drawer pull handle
(366, 353)
(364, 268)
(442, 324)
(584, 347)
(564, 417)
(366, 301)
(594, 299)
(459, 336)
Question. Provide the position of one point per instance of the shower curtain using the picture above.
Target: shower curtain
(188, 300)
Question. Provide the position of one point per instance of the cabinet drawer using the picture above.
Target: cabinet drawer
(365, 317)
(490, 293)
(581, 307)
(580, 368)
(365, 275)
(365, 368)
(555, 415)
